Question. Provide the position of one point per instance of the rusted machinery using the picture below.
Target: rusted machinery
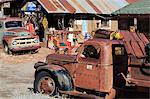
(100, 67)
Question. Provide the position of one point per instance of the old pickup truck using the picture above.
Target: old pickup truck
(15, 37)
(100, 67)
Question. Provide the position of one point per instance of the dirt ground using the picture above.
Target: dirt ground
(17, 74)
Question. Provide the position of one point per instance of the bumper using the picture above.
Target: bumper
(25, 48)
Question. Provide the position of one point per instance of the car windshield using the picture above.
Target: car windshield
(11, 24)
(17, 34)
(23, 34)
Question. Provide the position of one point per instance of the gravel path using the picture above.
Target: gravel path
(17, 74)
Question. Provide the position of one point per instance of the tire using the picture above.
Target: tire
(45, 84)
(7, 50)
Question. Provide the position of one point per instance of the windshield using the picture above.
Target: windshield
(23, 34)
(17, 34)
(11, 24)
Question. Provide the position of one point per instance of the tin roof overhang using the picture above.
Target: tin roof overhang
(83, 6)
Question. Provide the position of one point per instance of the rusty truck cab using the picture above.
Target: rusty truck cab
(99, 64)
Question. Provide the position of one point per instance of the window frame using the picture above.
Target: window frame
(96, 47)
(105, 27)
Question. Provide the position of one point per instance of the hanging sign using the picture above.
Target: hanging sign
(31, 6)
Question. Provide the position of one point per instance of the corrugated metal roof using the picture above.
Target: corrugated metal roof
(1, 1)
(141, 7)
(84, 6)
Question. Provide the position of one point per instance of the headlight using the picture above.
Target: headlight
(14, 43)
(36, 40)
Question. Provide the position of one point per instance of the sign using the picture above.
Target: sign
(7, 5)
(31, 6)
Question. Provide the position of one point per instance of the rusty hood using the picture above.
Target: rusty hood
(61, 59)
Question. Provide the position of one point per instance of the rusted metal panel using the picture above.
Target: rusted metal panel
(83, 6)
(80, 94)
(134, 43)
(126, 35)
(106, 78)
(69, 7)
(142, 83)
(105, 4)
(135, 36)
(48, 5)
(143, 38)
(83, 73)
(137, 49)
(58, 5)
(18, 30)
(60, 58)
(138, 77)
(129, 48)
(142, 47)
(79, 6)
(101, 72)
(93, 6)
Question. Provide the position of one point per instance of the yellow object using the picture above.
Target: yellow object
(92, 33)
(112, 35)
(116, 35)
(132, 29)
(45, 23)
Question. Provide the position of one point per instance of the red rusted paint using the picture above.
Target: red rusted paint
(129, 48)
(143, 38)
(79, 6)
(68, 6)
(108, 6)
(25, 48)
(93, 6)
(101, 74)
(47, 85)
(79, 94)
(141, 83)
(49, 6)
(10, 19)
(15, 30)
(18, 30)
(137, 49)
(126, 35)
(58, 5)
(134, 43)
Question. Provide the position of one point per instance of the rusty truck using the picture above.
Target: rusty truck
(15, 37)
(100, 67)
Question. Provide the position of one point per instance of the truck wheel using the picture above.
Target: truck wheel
(45, 84)
(6, 49)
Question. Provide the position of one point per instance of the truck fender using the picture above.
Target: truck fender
(61, 76)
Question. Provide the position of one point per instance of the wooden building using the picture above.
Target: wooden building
(136, 14)
(83, 15)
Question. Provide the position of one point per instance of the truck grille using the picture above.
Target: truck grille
(25, 41)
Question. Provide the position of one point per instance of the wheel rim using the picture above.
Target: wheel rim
(46, 85)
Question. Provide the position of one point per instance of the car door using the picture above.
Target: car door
(87, 75)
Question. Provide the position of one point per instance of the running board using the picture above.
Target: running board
(79, 94)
